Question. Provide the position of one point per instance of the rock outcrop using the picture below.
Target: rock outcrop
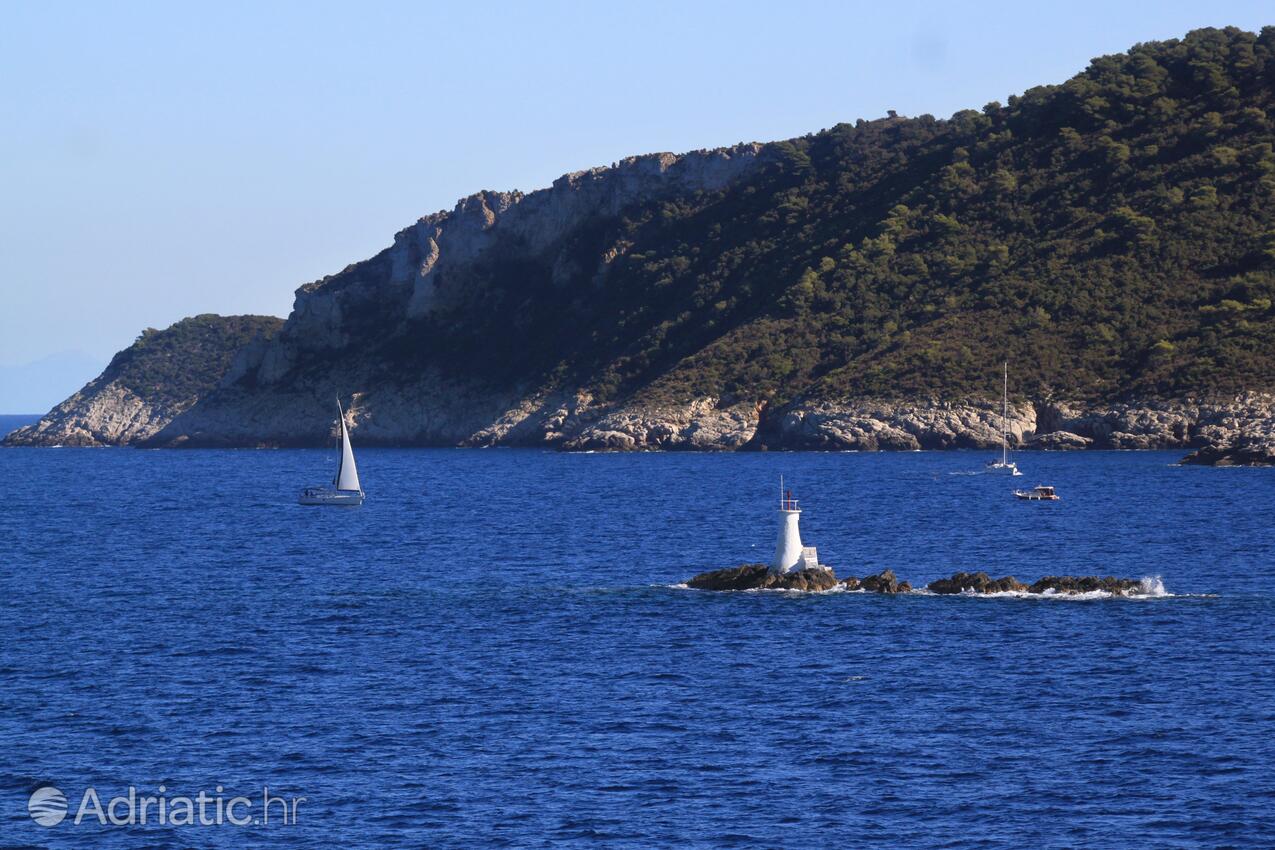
(1245, 443)
(1155, 424)
(979, 582)
(904, 426)
(759, 577)
(883, 582)
(1086, 584)
(1056, 441)
(700, 425)
(1246, 452)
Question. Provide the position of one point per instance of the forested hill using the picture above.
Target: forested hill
(1112, 237)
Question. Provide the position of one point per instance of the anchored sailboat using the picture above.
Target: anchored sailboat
(1004, 464)
(345, 489)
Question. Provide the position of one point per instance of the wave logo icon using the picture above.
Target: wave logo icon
(47, 806)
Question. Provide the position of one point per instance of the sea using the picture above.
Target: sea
(497, 650)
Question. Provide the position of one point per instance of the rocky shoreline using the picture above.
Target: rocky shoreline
(1239, 431)
(759, 577)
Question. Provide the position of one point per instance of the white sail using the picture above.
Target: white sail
(347, 476)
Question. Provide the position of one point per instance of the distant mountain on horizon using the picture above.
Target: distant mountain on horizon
(1112, 238)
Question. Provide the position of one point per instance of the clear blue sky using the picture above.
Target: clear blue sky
(159, 160)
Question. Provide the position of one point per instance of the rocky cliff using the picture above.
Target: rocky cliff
(445, 257)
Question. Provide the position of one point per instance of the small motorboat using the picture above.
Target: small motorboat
(345, 489)
(1042, 493)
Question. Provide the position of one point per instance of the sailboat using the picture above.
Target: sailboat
(345, 489)
(1004, 465)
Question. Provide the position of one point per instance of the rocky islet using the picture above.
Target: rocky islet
(759, 577)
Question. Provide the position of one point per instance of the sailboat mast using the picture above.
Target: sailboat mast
(1005, 416)
(340, 446)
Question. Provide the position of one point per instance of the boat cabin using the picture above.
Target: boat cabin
(1043, 493)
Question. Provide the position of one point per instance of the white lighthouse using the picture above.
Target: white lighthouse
(790, 555)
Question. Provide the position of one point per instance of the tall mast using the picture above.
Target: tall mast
(1005, 417)
(340, 453)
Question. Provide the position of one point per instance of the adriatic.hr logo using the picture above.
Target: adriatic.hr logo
(49, 806)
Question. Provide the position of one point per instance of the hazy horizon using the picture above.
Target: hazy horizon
(162, 163)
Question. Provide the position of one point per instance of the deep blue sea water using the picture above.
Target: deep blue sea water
(490, 651)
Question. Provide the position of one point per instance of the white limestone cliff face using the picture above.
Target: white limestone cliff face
(436, 411)
(435, 258)
(703, 424)
(440, 412)
(875, 425)
(1160, 424)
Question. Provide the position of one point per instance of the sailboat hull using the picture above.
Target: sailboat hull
(1003, 468)
(326, 496)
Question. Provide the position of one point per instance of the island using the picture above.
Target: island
(1111, 237)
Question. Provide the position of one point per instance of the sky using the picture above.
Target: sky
(162, 160)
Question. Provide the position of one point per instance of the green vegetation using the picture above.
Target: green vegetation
(184, 361)
(1112, 237)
